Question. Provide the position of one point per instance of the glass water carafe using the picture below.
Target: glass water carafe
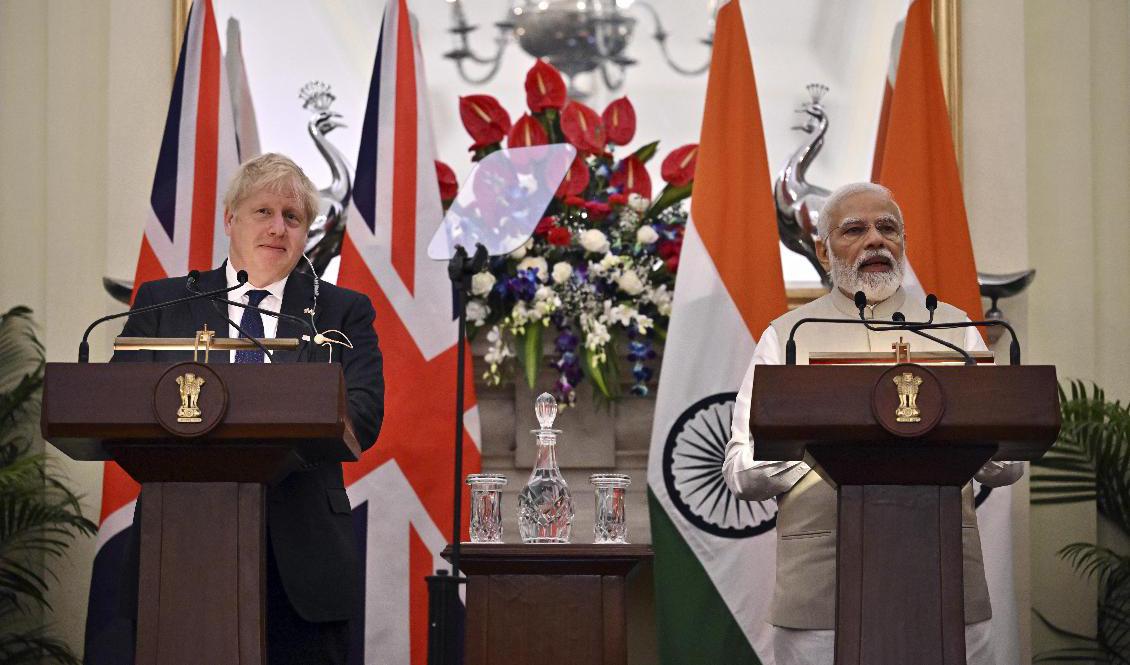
(545, 508)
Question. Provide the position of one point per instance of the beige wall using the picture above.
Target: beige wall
(84, 93)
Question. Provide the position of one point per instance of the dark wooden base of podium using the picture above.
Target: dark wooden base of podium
(899, 576)
(201, 583)
(547, 604)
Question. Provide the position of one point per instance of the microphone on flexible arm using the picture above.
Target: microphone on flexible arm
(314, 335)
(241, 277)
(902, 324)
(84, 345)
(899, 320)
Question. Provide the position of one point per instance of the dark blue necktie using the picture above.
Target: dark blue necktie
(252, 324)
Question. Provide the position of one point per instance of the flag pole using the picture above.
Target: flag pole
(445, 618)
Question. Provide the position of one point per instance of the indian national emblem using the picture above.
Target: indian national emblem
(907, 411)
(189, 411)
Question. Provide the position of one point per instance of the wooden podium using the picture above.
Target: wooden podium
(899, 551)
(547, 604)
(201, 587)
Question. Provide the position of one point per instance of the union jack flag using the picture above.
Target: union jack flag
(401, 488)
(183, 232)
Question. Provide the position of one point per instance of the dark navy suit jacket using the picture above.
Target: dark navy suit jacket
(308, 512)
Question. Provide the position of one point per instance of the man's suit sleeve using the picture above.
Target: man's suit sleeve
(364, 372)
(140, 325)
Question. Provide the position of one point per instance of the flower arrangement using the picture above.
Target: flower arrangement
(600, 267)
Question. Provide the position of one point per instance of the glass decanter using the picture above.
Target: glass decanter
(545, 507)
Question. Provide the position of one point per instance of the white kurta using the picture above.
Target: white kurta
(759, 480)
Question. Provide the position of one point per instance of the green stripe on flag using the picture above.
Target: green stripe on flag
(693, 624)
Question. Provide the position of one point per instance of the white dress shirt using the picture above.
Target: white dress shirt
(272, 303)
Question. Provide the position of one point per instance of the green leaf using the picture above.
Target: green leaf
(532, 353)
(667, 198)
(646, 152)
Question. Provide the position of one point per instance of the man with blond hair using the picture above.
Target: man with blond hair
(313, 569)
(863, 247)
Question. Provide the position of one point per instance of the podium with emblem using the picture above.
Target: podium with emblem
(898, 442)
(203, 441)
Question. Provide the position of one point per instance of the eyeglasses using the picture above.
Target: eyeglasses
(853, 231)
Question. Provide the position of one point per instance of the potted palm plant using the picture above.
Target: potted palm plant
(39, 515)
(1091, 462)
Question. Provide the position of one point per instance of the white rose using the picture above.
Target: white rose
(531, 262)
(646, 234)
(638, 203)
(594, 241)
(562, 271)
(477, 312)
(609, 261)
(630, 283)
(519, 253)
(482, 283)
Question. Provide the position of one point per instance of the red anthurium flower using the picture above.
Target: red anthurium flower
(559, 236)
(484, 118)
(597, 210)
(631, 176)
(545, 89)
(583, 128)
(620, 121)
(576, 179)
(544, 225)
(575, 201)
(448, 185)
(526, 132)
(678, 168)
(617, 199)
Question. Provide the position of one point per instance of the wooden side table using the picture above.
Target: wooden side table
(547, 604)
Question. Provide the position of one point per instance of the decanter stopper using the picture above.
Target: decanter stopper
(545, 408)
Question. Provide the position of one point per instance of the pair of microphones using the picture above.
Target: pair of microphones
(898, 323)
(216, 297)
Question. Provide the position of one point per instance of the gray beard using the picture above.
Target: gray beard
(877, 286)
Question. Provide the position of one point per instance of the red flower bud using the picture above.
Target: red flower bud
(583, 128)
(448, 185)
(678, 168)
(545, 89)
(560, 236)
(484, 118)
(620, 121)
(673, 264)
(631, 176)
(526, 132)
(576, 179)
(574, 201)
(617, 199)
(544, 225)
(597, 210)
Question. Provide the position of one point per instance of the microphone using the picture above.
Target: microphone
(898, 319)
(84, 345)
(278, 315)
(241, 278)
(931, 305)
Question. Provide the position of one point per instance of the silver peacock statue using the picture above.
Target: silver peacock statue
(798, 209)
(798, 201)
(323, 242)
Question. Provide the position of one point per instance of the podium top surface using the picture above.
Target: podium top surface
(549, 559)
(1015, 408)
(87, 407)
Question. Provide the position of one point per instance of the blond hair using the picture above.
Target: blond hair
(277, 173)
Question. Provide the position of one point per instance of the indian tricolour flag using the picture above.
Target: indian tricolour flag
(715, 554)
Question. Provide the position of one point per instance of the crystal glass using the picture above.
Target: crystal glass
(486, 506)
(611, 524)
(545, 507)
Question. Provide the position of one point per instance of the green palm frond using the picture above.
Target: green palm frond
(39, 515)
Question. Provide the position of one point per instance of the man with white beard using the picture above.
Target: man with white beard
(863, 247)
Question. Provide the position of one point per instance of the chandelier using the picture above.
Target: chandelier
(575, 36)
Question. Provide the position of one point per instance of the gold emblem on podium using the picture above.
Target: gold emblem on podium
(907, 411)
(189, 411)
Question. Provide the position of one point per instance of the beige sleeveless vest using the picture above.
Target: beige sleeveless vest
(805, 592)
